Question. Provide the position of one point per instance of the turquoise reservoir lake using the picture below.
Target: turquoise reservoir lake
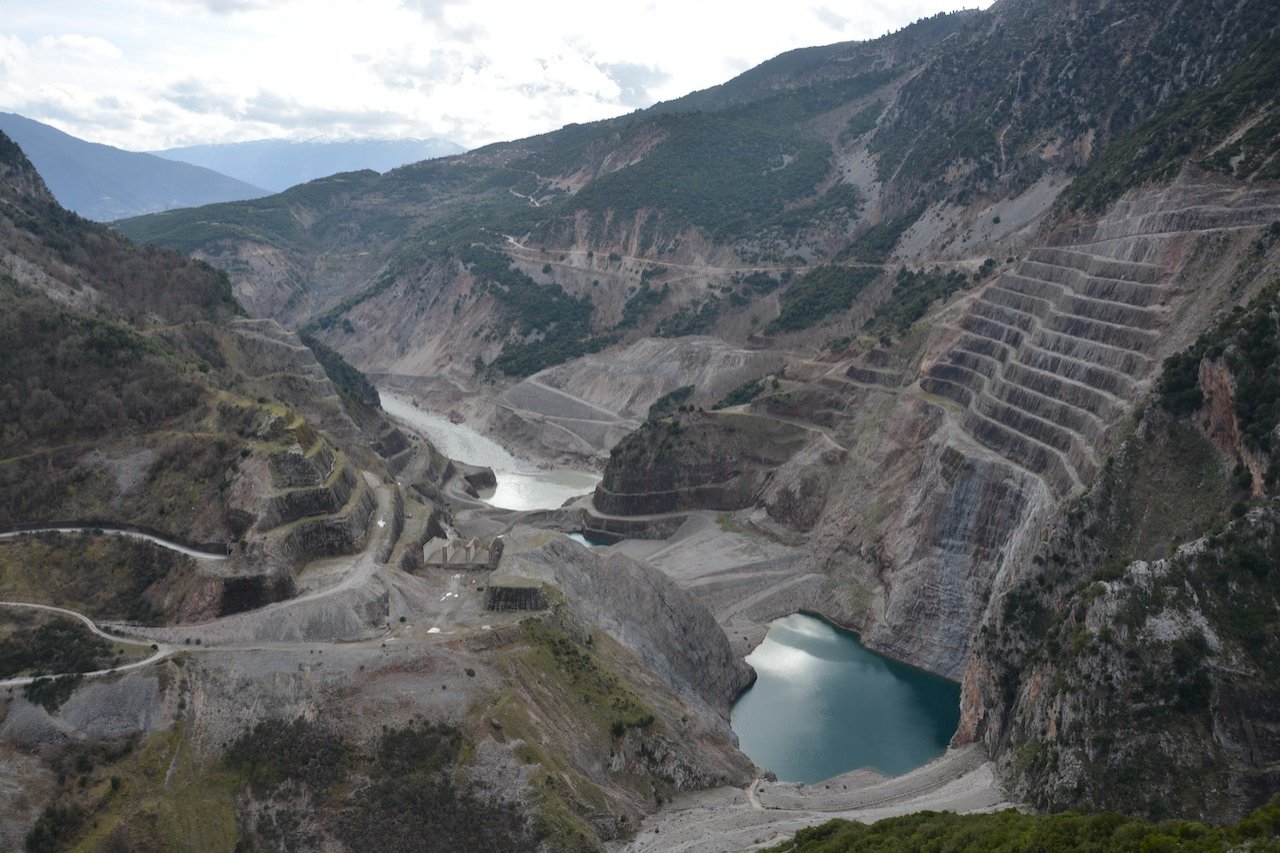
(824, 705)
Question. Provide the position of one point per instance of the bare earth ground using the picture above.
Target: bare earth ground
(770, 812)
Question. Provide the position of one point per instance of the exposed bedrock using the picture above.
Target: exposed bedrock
(588, 405)
(330, 535)
(293, 504)
(1033, 377)
(919, 524)
(273, 361)
(627, 382)
(1046, 360)
(678, 637)
(695, 461)
(299, 470)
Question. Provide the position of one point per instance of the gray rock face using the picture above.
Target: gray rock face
(297, 503)
(698, 460)
(330, 535)
(1021, 390)
(629, 381)
(640, 607)
(131, 704)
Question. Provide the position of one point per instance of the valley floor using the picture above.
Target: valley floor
(743, 575)
(770, 812)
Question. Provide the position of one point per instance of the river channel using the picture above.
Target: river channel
(824, 705)
(521, 485)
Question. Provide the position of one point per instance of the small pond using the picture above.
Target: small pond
(824, 705)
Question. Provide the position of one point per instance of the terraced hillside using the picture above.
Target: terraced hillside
(947, 269)
(1049, 358)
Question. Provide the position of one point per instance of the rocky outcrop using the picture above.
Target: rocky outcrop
(295, 469)
(678, 637)
(289, 506)
(578, 411)
(1116, 659)
(1163, 658)
(275, 362)
(696, 460)
(1217, 418)
(326, 536)
(1021, 393)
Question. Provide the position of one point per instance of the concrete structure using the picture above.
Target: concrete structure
(459, 554)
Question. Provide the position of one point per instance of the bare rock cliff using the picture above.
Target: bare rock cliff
(665, 626)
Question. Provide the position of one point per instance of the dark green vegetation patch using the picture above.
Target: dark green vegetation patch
(727, 171)
(65, 376)
(693, 319)
(935, 832)
(1156, 149)
(819, 295)
(60, 645)
(352, 385)
(407, 790)
(913, 293)
(549, 325)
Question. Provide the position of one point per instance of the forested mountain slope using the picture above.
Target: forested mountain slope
(135, 391)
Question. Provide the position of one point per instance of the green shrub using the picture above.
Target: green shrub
(818, 295)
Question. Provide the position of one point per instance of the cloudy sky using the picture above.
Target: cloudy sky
(150, 74)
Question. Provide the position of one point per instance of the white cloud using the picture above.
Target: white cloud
(231, 7)
(13, 60)
(146, 74)
(91, 48)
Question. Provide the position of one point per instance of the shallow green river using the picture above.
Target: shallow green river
(824, 705)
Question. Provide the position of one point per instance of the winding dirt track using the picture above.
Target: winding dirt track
(116, 531)
(361, 570)
(162, 650)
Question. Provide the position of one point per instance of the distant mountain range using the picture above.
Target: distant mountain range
(104, 183)
(278, 164)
